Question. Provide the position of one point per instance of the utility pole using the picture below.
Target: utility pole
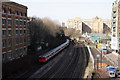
(98, 61)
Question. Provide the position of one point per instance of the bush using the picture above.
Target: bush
(94, 72)
(119, 52)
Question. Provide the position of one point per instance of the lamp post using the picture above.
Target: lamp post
(101, 59)
(97, 61)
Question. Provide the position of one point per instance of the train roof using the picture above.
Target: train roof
(51, 51)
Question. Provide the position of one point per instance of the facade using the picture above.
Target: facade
(115, 39)
(63, 24)
(75, 23)
(95, 25)
(14, 31)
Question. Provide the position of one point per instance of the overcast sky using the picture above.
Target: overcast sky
(62, 10)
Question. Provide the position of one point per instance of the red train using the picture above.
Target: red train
(53, 52)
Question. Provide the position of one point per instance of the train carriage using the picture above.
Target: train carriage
(53, 52)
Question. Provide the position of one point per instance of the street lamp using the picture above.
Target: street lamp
(101, 59)
(97, 60)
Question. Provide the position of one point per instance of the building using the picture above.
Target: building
(14, 31)
(63, 24)
(115, 39)
(95, 25)
(75, 23)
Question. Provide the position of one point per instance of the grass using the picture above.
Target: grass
(94, 72)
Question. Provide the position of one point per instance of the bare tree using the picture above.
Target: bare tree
(44, 31)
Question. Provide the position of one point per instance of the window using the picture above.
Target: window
(24, 50)
(16, 22)
(9, 54)
(20, 23)
(20, 32)
(3, 56)
(113, 35)
(24, 31)
(16, 42)
(3, 21)
(119, 45)
(24, 40)
(9, 12)
(24, 15)
(9, 22)
(3, 10)
(24, 22)
(3, 32)
(20, 14)
(21, 51)
(3, 44)
(16, 32)
(113, 22)
(9, 43)
(21, 40)
(9, 33)
(16, 13)
(16, 53)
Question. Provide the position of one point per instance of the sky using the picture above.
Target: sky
(62, 10)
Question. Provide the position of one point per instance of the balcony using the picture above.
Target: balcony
(114, 30)
(114, 10)
(114, 20)
(113, 25)
(114, 15)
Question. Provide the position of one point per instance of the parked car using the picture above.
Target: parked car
(111, 74)
(117, 73)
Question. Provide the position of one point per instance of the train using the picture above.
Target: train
(47, 56)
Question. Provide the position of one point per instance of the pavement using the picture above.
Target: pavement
(114, 58)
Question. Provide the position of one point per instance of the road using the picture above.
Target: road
(69, 63)
(95, 52)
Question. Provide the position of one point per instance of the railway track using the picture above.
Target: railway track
(52, 71)
(29, 73)
(72, 65)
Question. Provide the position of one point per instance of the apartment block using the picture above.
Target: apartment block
(14, 31)
(94, 25)
(75, 23)
(115, 39)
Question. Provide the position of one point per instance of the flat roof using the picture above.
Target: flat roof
(17, 4)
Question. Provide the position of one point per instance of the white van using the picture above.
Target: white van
(111, 73)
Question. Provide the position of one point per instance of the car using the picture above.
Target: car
(110, 68)
(117, 73)
(111, 74)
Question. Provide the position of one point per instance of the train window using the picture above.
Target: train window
(40, 58)
(43, 58)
